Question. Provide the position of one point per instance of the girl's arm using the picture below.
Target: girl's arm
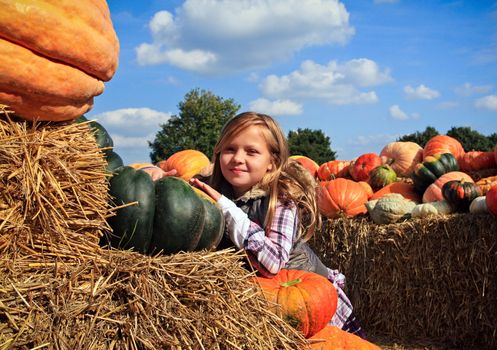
(267, 253)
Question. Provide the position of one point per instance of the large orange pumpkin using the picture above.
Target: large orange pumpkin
(55, 56)
(402, 156)
(187, 163)
(443, 144)
(306, 300)
(307, 163)
(341, 197)
(333, 338)
(404, 188)
(333, 169)
(434, 191)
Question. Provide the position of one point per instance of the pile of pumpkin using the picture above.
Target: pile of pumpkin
(406, 180)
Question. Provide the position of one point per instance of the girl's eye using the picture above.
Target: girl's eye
(252, 151)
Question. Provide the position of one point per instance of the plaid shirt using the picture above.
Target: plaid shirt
(269, 253)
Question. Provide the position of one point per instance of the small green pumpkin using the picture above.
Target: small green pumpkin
(432, 168)
(460, 193)
(390, 208)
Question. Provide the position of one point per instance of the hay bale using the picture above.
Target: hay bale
(60, 290)
(431, 278)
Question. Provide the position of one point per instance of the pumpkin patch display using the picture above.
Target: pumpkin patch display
(460, 193)
(341, 197)
(381, 176)
(307, 163)
(402, 156)
(359, 169)
(432, 168)
(187, 163)
(306, 300)
(166, 215)
(443, 144)
(49, 74)
(333, 169)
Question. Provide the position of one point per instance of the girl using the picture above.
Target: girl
(269, 203)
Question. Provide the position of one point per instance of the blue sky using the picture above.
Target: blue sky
(363, 71)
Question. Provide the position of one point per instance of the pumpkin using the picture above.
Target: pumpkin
(491, 200)
(359, 169)
(132, 224)
(402, 156)
(390, 208)
(169, 215)
(443, 144)
(432, 168)
(333, 169)
(478, 205)
(460, 193)
(55, 56)
(404, 188)
(341, 197)
(423, 210)
(306, 300)
(486, 183)
(477, 160)
(434, 191)
(187, 163)
(367, 187)
(114, 161)
(307, 163)
(381, 176)
(334, 338)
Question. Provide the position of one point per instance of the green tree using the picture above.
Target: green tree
(493, 140)
(471, 140)
(421, 138)
(197, 126)
(311, 143)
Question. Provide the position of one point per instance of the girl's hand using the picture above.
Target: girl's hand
(157, 173)
(206, 188)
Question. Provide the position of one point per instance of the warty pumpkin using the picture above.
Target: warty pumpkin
(390, 208)
(188, 163)
(341, 197)
(55, 56)
(305, 300)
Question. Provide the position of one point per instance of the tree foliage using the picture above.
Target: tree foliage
(471, 140)
(311, 143)
(421, 138)
(197, 126)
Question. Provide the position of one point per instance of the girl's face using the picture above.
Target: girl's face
(245, 159)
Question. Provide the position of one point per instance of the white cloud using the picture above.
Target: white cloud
(397, 113)
(221, 35)
(336, 83)
(421, 92)
(488, 102)
(122, 141)
(136, 121)
(277, 107)
(447, 105)
(467, 89)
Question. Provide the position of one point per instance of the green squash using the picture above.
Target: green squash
(459, 194)
(132, 225)
(183, 220)
(102, 137)
(114, 161)
(432, 168)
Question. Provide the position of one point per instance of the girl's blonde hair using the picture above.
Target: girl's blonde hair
(287, 180)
